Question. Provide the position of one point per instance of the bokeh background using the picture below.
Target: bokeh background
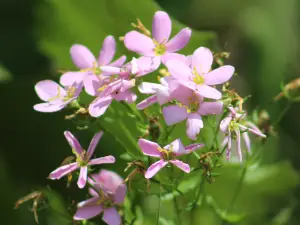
(263, 39)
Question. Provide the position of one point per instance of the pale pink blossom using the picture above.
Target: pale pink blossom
(83, 159)
(167, 154)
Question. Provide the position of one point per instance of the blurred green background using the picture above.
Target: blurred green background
(262, 37)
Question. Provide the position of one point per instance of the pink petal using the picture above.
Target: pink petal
(254, 127)
(139, 43)
(47, 89)
(219, 75)
(73, 142)
(228, 150)
(146, 65)
(108, 180)
(161, 27)
(148, 88)
(172, 56)
(63, 171)
(93, 144)
(82, 176)
(154, 168)
(88, 212)
(238, 140)
(69, 78)
(163, 95)
(99, 106)
(110, 70)
(208, 92)
(111, 216)
(180, 40)
(120, 194)
(147, 102)
(179, 70)
(247, 141)
(89, 202)
(82, 57)
(181, 165)
(209, 108)
(102, 160)
(108, 51)
(193, 125)
(176, 147)
(202, 60)
(189, 60)
(92, 83)
(193, 147)
(225, 123)
(119, 62)
(258, 133)
(49, 107)
(149, 148)
(174, 114)
(127, 96)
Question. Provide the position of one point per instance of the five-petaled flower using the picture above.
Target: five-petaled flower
(108, 190)
(160, 48)
(55, 96)
(83, 159)
(167, 154)
(198, 76)
(233, 125)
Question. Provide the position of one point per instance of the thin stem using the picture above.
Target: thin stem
(199, 194)
(159, 204)
(215, 140)
(283, 112)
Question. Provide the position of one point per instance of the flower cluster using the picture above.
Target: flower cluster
(187, 91)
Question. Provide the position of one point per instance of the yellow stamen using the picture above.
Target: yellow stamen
(198, 79)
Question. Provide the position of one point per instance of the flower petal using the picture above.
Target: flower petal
(258, 133)
(238, 141)
(202, 60)
(228, 150)
(161, 27)
(102, 160)
(93, 144)
(179, 70)
(146, 65)
(63, 171)
(208, 92)
(193, 125)
(92, 83)
(181, 165)
(149, 148)
(209, 108)
(154, 168)
(119, 62)
(73, 142)
(108, 50)
(110, 70)
(69, 78)
(82, 57)
(180, 40)
(111, 216)
(139, 43)
(148, 88)
(108, 180)
(47, 89)
(247, 141)
(219, 75)
(193, 147)
(49, 107)
(174, 114)
(147, 102)
(225, 123)
(88, 212)
(99, 106)
(173, 56)
(176, 147)
(120, 194)
(82, 176)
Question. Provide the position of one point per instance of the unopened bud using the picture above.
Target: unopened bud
(291, 91)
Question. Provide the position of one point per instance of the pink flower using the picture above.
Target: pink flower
(54, 96)
(108, 191)
(161, 93)
(160, 48)
(233, 125)
(83, 159)
(167, 155)
(198, 76)
(84, 59)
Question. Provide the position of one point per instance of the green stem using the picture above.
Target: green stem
(199, 194)
(159, 204)
(283, 112)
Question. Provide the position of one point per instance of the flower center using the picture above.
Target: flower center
(102, 88)
(105, 200)
(70, 93)
(80, 159)
(95, 69)
(160, 48)
(198, 79)
(233, 126)
(167, 154)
